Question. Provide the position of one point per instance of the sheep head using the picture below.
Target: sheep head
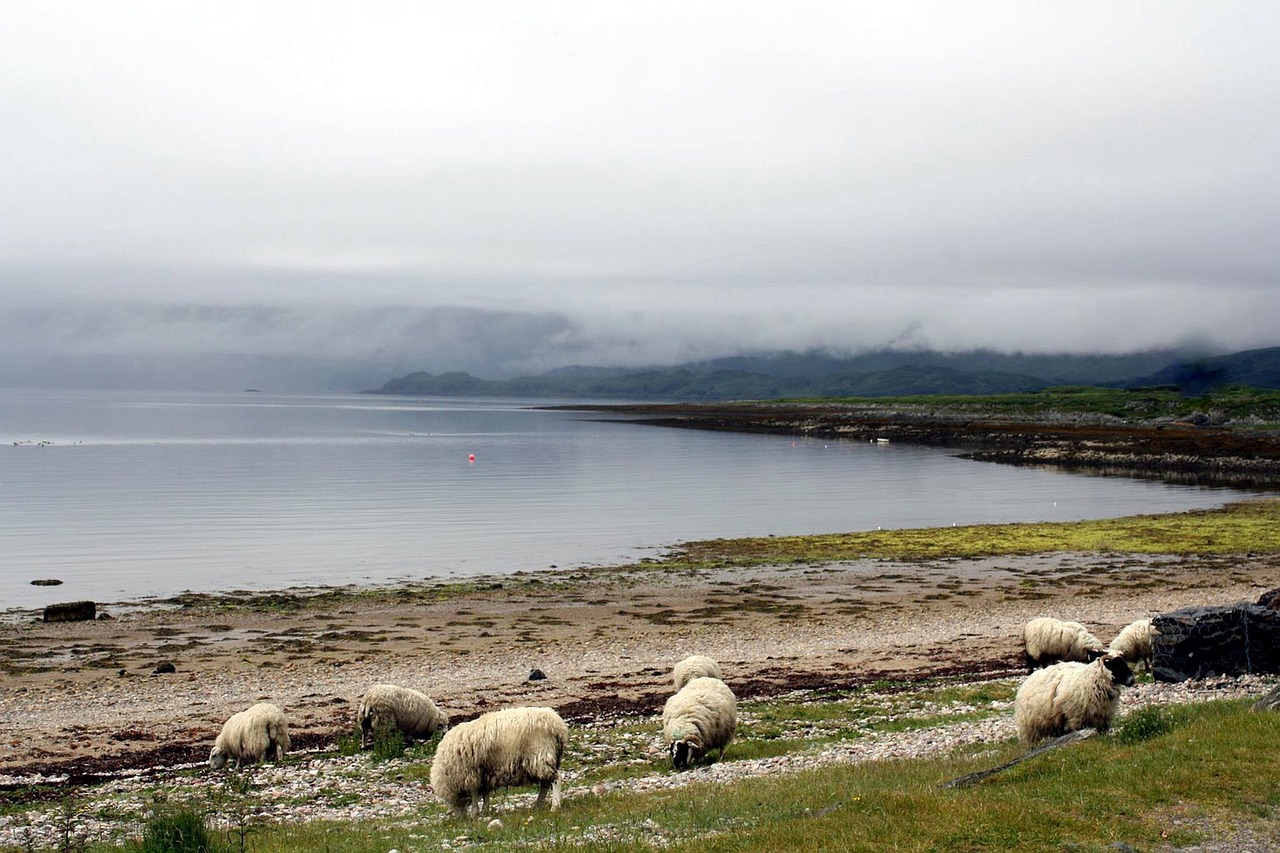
(217, 759)
(1119, 668)
(686, 752)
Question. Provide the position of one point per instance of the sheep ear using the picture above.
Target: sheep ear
(1094, 654)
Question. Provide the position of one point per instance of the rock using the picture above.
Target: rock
(70, 611)
(164, 667)
(1197, 642)
(1270, 599)
(536, 675)
(104, 615)
(495, 824)
(46, 582)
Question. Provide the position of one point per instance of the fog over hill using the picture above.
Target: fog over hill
(348, 348)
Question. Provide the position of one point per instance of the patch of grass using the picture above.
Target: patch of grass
(179, 831)
(388, 743)
(1147, 723)
(1245, 527)
(1260, 404)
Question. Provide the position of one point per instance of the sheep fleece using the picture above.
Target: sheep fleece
(410, 711)
(1136, 642)
(515, 746)
(1047, 639)
(695, 666)
(1065, 697)
(251, 735)
(704, 708)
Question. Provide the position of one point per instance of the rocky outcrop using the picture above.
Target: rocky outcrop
(71, 611)
(1178, 451)
(1198, 642)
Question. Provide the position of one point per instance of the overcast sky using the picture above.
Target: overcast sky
(648, 181)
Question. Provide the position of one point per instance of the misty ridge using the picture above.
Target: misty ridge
(452, 351)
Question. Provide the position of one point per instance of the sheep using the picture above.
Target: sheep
(692, 667)
(1046, 640)
(515, 746)
(250, 736)
(1070, 696)
(1136, 641)
(699, 718)
(388, 706)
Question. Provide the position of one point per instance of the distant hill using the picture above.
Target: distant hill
(818, 374)
(1259, 368)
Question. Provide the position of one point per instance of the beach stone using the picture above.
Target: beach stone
(1198, 642)
(46, 582)
(164, 667)
(70, 611)
(537, 675)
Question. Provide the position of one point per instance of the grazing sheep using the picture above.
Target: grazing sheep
(1046, 640)
(694, 666)
(1070, 696)
(392, 707)
(1136, 641)
(515, 746)
(698, 719)
(250, 736)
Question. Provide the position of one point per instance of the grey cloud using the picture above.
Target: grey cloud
(638, 184)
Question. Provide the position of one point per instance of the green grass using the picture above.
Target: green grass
(1246, 527)
(1261, 404)
(1209, 767)
(1168, 775)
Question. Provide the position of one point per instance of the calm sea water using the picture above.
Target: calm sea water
(127, 495)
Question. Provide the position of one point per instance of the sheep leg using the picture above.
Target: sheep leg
(543, 787)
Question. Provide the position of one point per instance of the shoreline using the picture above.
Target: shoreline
(93, 706)
(1191, 453)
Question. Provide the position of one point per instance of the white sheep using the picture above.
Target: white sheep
(515, 746)
(698, 719)
(1136, 641)
(250, 736)
(1070, 696)
(389, 706)
(1046, 640)
(695, 666)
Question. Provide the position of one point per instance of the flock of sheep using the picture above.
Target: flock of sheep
(1075, 679)
(1074, 683)
(498, 749)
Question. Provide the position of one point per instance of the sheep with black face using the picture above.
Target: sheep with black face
(698, 719)
(1070, 696)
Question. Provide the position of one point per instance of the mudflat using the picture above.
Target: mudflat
(85, 699)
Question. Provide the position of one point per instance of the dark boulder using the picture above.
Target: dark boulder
(1198, 642)
(70, 611)
(1270, 598)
